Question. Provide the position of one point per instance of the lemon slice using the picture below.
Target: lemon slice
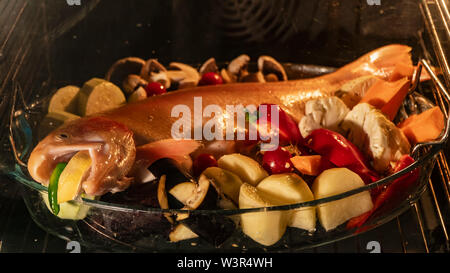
(71, 178)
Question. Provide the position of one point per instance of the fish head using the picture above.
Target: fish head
(110, 145)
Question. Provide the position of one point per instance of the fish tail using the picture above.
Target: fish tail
(390, 63)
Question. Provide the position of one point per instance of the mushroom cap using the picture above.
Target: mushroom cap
(151, 66)
(118, 72)
(209, 66)
(184, 75)
(132, 82)
(268, 65)
(239, 65)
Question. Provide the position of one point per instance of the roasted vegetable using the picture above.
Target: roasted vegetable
(215, 229)
(65, 99)
(387, 96)
(287, 129)
(341, 152)
(53, 187)
(264, 227)
(311, 164)
(97, 95)
(393, 193)
(225, 182)
(423, 127)
(169, 168)
(243, 166)
(277, 161)
(289, 188)
(375, 135)
(335, 181)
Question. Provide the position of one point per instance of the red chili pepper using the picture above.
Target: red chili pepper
(341, 152)
(395, 191)
(288, 128)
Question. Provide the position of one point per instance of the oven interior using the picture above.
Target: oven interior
(48, 44)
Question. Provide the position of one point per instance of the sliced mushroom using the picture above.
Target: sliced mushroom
(122, 68)
(254, 77)
(152, 66)
(132, 82)
(227, 77)
(200, 193)
(209, 66)
(271, 77)
(239, 66)
(203, 195)
(162, 197)
(162, 78)
(268, 65)
(184, 75)
(139, 94)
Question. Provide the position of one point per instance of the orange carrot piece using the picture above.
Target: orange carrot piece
(310, 164)
(423, 127)
(387, 96)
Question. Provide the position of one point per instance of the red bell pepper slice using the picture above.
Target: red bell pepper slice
(341, 152)
(395, 191)
(289, 133)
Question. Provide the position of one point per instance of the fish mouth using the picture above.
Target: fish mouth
(44, 158)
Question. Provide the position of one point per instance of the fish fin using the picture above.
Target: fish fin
(178, 150)
(389, 63)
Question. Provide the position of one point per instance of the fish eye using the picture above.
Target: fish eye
(62, 136)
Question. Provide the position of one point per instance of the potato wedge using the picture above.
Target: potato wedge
(243, 166)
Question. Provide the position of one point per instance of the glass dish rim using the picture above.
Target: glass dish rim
(435, 147)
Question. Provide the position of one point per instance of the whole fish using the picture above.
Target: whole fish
(118, 139)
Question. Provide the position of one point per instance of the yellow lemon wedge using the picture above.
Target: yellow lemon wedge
(70, 179)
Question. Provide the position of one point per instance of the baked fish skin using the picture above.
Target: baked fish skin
(112, 143)
(151, 119)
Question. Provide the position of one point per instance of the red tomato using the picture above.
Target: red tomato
(210, 78)
(277, 161)
(155, 88)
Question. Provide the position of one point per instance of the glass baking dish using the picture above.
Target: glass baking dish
(122, 227)
(118, 227)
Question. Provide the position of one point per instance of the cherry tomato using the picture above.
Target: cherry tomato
(277, 161)
(155, 88)
(202, 162)
(210, 78)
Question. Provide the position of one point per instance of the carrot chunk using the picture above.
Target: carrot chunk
(387, 96)
(423, 127)
(311, 164)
